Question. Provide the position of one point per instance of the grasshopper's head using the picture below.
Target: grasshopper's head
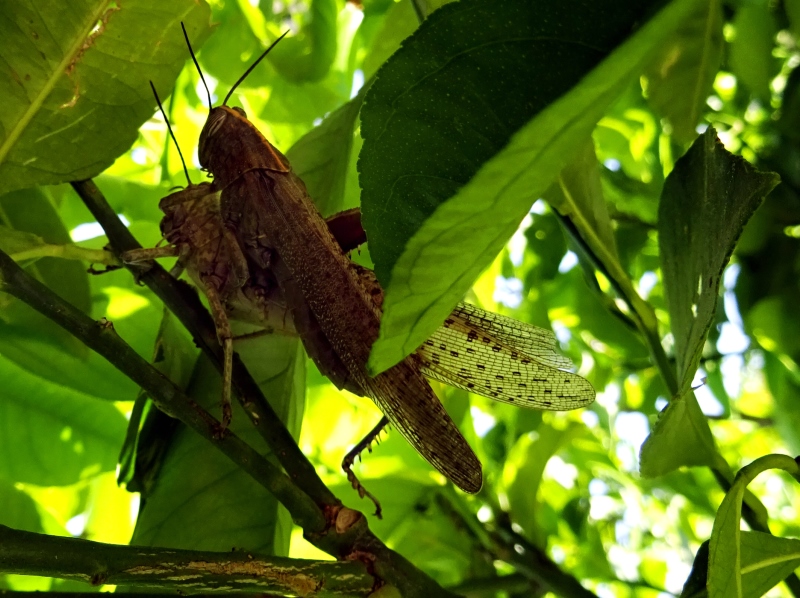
(215, 133)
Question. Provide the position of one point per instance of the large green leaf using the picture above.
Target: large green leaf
(76, 81)
(322, 157)
(82, 371)
(455, 152)
(401, 21)
(52, 435)
(747, 564)
(707, 200)
(680, 81)
(199, 483)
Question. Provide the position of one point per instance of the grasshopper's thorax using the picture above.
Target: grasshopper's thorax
(187, 211)
(230, 145)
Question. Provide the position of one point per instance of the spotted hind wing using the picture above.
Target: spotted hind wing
(466, 356)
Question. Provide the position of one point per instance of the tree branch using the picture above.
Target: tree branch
(348, 535)
(185, 304)
(101, 337)
(532, 562)
(187, 571)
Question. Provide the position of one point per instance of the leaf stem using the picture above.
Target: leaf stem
(68, 251)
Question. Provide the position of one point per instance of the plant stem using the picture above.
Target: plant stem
(190, 571)
(184, 303)
(101, 337)
(68, 251)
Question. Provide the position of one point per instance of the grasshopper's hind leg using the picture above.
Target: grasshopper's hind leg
(350, 458)
(226, 340)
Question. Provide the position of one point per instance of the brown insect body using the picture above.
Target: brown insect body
(277, 226)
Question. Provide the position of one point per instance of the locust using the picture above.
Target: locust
(278, 228)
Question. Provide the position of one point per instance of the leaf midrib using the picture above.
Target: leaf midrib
(37, 102)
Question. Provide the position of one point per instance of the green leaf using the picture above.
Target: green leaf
(695, 586)
(79, 77)
(309, 55)
(744, 564)
(785, 390)
(766, 561)
(401, 21)
(17, 509)
(198, 483)
(751, 50)
(51, 435)
(82, 371)
(681, 437)
(706, 201)
(31, 210)
(16, 241)
(680, 80)
(322, 156)
(792, 8)
(175, 357)
(526, 463)
(578, 195)
(455, 153)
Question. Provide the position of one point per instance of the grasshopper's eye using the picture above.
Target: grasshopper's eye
(240, 111)
(215, 120)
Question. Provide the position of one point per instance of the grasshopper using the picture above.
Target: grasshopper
(474, 350)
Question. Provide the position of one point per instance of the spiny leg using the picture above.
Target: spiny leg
(142, 256)
(350, 459)
(226, 340)
(136, 256)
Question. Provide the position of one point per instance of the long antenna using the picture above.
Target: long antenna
(164, 114)
(252, 66)
(194, 58)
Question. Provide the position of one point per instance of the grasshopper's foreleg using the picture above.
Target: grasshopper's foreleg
(226, 340)
(350, 459)
(137, 256)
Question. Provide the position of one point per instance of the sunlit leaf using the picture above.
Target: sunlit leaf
(52, 435)
(80, 75)
(578, 195)
(707, 200)
(85, 372)
(17, 509)
(681, 437)
(680, 80)
(401, 21)
(322, 157)
(747, 564)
